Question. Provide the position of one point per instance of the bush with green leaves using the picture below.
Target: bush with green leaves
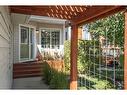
(111, 27)
(84, 60)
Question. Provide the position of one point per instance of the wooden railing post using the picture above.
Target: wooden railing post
(125, 51)
(73, 61)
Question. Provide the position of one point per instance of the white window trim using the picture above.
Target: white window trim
(34, 52)
(50, 40)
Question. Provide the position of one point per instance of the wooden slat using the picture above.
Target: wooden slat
(60, 10)
(29, 69)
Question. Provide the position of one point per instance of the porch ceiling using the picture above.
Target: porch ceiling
(76, 14)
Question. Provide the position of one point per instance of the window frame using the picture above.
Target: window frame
(51, 30)
(34, 43)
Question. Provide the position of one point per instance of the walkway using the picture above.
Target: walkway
(29, 83)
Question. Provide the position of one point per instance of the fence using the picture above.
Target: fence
(105, 65)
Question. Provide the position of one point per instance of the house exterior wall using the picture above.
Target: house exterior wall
(6, 48)
(37, 26)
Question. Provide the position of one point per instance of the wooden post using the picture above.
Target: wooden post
(125, 52)
(74, 50)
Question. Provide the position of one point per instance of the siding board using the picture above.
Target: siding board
(4, 25)
(6, 48)
(3, 34)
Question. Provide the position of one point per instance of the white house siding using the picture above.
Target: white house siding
(17, 19)
(16, 43)
(6, 48)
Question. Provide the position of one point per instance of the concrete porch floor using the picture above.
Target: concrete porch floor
(29, 83)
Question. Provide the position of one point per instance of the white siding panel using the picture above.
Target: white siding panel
(3, 33)
(4, 42)
(16, 44)
(4, 25)
(6, 48)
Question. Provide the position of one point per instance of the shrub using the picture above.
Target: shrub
(59, 80)
(47, 73)
(55, 79)
(84, 61)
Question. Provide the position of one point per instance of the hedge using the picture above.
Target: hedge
(84, 60)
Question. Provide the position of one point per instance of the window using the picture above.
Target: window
(50, 38)
(24, 45)
(24, 34)
(45, 38)
(26, 42)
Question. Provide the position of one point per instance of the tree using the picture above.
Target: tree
(111, 27)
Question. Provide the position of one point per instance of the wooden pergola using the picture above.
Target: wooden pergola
(76, 15)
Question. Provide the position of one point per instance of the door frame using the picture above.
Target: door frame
(34, 45)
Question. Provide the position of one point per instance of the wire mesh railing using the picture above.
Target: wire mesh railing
(105, 63)
(105, 72)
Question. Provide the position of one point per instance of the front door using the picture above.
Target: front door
(27, 43)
